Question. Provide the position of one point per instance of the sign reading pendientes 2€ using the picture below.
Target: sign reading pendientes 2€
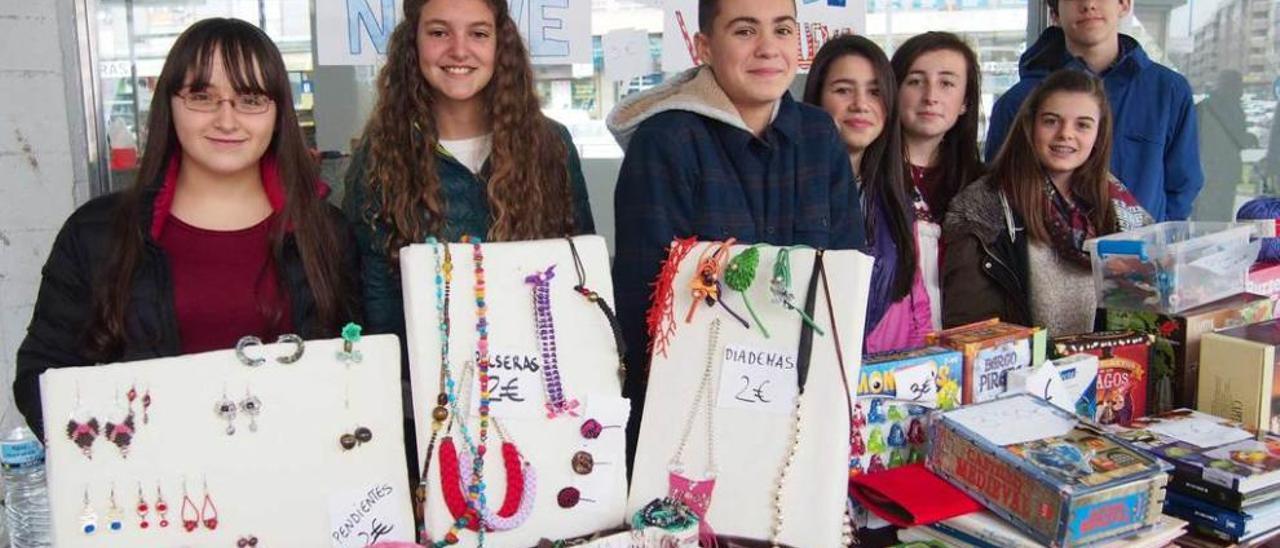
(760, 379)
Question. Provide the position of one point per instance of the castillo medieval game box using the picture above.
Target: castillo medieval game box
(1063, 481)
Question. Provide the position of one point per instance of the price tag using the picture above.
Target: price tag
(515, 386)
(918, 384)
(757, 379)
(367, 516)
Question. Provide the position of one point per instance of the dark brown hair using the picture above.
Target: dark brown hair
(707, 12)
(958, 152)
(1018, 173)
(528, 175)
(241, 48)
(881, 170)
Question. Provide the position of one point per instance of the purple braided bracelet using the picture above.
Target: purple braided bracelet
(557, 405)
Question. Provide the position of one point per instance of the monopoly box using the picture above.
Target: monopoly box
(1063, 481)
(896, 391)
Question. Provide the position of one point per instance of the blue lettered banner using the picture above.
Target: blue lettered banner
(356, 32)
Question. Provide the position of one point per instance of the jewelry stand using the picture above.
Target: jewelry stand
(284, 483)
(588, 372)
(753, 444)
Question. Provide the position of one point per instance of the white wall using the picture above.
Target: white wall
(40, 182)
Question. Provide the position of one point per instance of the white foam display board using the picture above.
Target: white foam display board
(752, 441)
(588, 363)
(289, 483)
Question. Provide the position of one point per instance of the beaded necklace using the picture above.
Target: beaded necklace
(696, 494)
(802, 373)
(443, 283)
(594, 297)
(476, 499)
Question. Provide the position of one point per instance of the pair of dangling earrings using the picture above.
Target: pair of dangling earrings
(250, 406)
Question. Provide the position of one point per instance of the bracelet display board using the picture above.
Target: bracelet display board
(751, 381)
(573, 494)
(208, 451)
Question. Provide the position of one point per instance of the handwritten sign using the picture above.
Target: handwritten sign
(515, 386)
(818, 22)
(918, 384)
(757, 379)
(1016, 419)
(367, 516)
(992, 365)
(356, 32)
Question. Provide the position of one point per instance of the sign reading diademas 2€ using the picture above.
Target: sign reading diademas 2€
(367, 516)
(758, 379)
(356, 32)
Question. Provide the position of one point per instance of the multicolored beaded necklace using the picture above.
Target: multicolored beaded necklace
(443, 284)
(595, 298)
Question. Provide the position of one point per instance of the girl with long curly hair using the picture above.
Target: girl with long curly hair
(457, 146)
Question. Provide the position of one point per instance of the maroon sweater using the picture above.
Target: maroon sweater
(224, 285)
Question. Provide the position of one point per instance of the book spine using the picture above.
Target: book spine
(980, 539)
(1197, 511)
(1195, 487)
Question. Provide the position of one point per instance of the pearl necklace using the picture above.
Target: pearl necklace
(696, 494)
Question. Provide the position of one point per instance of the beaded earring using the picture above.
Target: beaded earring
(88, 516)
(120, 432)
(591, 428)
(115, 518)
(570, 497)
(162, 507)
(225, 408)
(83, 429)
(251, 406)
(143, 509)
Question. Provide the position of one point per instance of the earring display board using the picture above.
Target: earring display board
(578, 457)
(274, 473)
(753, 386)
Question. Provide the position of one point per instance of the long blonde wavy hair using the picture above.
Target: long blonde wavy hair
(528, 177)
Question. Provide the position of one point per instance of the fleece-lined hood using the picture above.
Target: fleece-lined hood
(694, 90)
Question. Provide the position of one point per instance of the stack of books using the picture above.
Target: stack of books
(1225, 481)
(987, 530)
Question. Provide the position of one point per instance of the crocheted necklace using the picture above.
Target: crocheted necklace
(517, 504)
(696, 494)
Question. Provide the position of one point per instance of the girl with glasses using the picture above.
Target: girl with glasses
(224, 234)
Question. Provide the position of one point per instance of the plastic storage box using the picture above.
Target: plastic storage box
(1173, 266)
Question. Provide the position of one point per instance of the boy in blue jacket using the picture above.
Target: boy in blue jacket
(723, 151)
(1156, 150)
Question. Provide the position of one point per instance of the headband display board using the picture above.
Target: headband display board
(274, 472)
(570, 497)
(753, 384)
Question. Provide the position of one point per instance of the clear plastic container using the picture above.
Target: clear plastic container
(1173, 266)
